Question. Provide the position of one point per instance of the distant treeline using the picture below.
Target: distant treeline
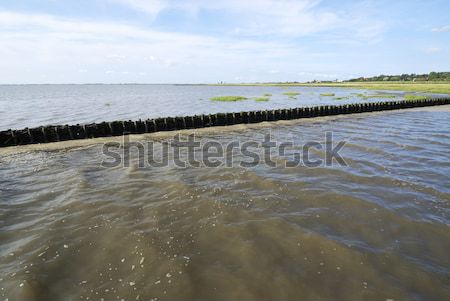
(432, 76)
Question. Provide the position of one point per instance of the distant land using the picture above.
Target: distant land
(434, 83)
(432, 76)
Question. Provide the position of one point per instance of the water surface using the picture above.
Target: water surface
(35, 105)
(377, 229)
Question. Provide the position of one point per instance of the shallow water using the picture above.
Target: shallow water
(35, 105)
(377, 229)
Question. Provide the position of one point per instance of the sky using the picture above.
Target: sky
(210, 41)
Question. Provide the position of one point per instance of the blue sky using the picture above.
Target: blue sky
(169, 41)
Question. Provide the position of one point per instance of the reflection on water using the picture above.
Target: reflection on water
(377, 229)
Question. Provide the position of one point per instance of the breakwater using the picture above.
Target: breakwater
(55, 133)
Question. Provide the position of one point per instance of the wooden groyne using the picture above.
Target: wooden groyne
(47, 134)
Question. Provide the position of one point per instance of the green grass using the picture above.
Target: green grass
(415, 97)
(359, 95)
(379, 96)
(425, 87)
(341, 98)
(422, 87)
(327, 94)
(366, 96)
(228, 98)
(262, 98)
(291, 94)
(267, 94)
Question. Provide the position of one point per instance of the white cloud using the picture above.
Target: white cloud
(150, 7)
(72, 29)
(278, 17)
(360, 21)
(441, 29)
(259, 36)
(115, 56)
(432, 50)
(63, 46)
(315, 75)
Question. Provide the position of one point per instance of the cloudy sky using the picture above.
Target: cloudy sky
(206, 41)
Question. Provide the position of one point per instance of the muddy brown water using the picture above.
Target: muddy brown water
(377, 229)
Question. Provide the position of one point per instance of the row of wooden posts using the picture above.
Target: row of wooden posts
(46, 134)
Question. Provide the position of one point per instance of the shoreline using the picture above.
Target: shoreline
(419, 87)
